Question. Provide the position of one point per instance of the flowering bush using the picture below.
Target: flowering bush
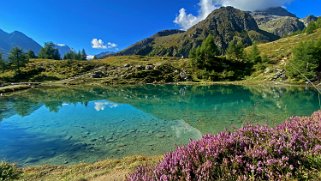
(290, 150)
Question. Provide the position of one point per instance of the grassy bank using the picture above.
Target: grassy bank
(13, 88)
(99, 171)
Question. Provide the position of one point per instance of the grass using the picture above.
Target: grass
(116, 68)
(282, 48)
(13, 88)
(103, 170)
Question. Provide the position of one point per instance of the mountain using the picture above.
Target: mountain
(16, 39)
(63, 49)
(309, 19)
(278, 21)
(104, 54)
(225, 24)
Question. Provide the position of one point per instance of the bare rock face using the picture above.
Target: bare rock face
(309, 19)
(278, 21)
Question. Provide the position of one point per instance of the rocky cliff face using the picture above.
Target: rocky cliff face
(308, 20)
(278, 21)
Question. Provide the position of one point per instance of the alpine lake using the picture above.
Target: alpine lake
(58, 126)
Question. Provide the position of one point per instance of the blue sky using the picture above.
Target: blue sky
(122, 22)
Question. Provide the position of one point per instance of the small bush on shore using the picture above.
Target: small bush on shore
(291, 150)
(9, 172)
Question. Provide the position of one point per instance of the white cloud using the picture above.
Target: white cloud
(111, 45)
(61, 44)
(183, 130)
(251, 5)
(99, 44)
(90, 57)
(185, 20)
(101, 106)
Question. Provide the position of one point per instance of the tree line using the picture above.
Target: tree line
(18, 58)
(234, 64)
(210, 64)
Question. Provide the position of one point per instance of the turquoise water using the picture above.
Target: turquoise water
(71, 125)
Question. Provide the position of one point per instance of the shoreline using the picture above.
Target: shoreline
(15, 87)
(108, 169)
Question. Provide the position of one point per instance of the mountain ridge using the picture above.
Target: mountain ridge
(16, 39)
(225, 24)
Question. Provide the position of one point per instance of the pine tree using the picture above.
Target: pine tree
(17, 58)
(2, 64)
(83, 55)
(49, 52)
(254, 54)
(306, 61)
(203, 56)
(235, 50)
(31, 55)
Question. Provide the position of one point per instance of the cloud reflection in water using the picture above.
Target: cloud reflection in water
(101, 106)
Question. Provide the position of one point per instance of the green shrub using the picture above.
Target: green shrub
(306, 61)
(9, 172)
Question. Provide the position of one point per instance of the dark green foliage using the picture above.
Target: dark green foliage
(310, 29)
(49, 52)
(9, 172)
(306, 61)
(225, 69)
(235, 50)
(254, 55)
(2, 64)
(81, 55)
(211, 67)
(31, 54)
(70, 56)
(313, 26)
(17, 58)
(203, 57)
(261, 66)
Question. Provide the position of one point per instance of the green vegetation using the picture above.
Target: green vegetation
(255, 63)
(217, 24)
(2, 64)
(17, 59)
(103, 170)
(31, 55)
(49, 52)
(306, 61)
(209, 66)
(313, 26)
(235, 50)
(203, 56)
(254, 54)
(81, 55)
(9, 172)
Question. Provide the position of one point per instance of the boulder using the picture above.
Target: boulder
(97, 75)
(149, 67)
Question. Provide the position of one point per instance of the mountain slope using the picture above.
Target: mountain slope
(63, 49)
(16, 39)
(278, 21)
(282, 48)
(104, 54)
(225, 24)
